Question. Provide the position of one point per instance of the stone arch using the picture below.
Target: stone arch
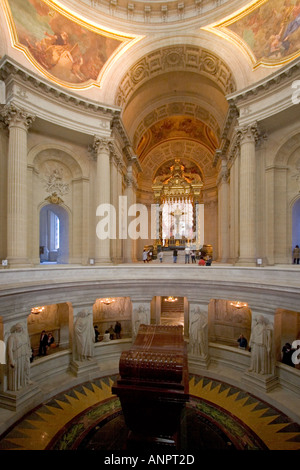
(192, 151)
(76, 163)
(179, 57)
(288, 146)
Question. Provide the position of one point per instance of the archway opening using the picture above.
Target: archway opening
(54, 234)
(296, 224)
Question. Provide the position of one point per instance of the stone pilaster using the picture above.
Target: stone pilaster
(130, 243)
(18, 122)
(247, 137)
(102, 150)
(223, 212)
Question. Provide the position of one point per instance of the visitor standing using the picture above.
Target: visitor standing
(296, 254)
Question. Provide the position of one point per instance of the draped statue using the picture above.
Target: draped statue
(18, 358)
(198, 332)
(261, 347)
(84, 335)
(139, 318)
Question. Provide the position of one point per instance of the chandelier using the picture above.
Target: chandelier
(171, 299)
(107, 301)
(238, 304)
(37, 310)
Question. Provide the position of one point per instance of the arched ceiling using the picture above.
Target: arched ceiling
(169, 65)
(174, 102)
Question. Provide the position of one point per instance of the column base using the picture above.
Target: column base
(16, 400)
(264, 383)
(88, 369)
(19, 263)
(199, 361)
(246, 262)
(104, 261)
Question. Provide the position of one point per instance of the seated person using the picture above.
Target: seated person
(202, 262)
(51, 343)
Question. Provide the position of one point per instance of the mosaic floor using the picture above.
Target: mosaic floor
(218, 417)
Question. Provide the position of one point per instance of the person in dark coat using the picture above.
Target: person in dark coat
(43, 344)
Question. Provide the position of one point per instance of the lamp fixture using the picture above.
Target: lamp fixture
(107, 301)
(37, 310)
(171, 299)
(238, 304)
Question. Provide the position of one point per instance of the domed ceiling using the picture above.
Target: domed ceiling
(169, 65)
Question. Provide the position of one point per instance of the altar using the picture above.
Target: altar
(153, 387)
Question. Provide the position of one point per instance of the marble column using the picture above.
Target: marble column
(102, 149)
(120, 194)
(18, 122)
(130, 243)
(223, 212)
(234, 212)
(247, 136)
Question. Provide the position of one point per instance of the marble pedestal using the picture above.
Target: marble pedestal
(87, 369)
(264, 383)
(199, 361)
(16, 400)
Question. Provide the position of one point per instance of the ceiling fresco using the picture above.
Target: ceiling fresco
(64, 48)
(176, 127)
(268, 31)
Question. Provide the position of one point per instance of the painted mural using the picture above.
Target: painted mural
(177, 127)
(63, 47)
(271, 31)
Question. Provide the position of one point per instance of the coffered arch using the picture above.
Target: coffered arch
(192, 151)
(188, 58)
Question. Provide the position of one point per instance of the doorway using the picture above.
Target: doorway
(54, 235)
(296, 224)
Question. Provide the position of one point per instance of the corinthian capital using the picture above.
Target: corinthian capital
(248, 133)
(12, 116)
(101, 144)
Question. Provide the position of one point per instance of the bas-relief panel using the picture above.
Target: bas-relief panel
(270, 31)
(60, 46)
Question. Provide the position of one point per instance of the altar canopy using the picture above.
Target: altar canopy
(177, 189)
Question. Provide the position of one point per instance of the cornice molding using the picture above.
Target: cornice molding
(11, 70)
(280, 76)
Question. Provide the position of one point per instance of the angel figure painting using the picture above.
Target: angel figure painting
(271, 31)
(70, 51)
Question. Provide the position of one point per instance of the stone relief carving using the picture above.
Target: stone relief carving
(54, 181)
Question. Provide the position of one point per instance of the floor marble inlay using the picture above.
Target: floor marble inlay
(89, 417)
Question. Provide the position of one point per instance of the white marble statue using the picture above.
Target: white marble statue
(140, 318)
(198, 332)
(18, 358)
(261, 346)
(84, 335)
